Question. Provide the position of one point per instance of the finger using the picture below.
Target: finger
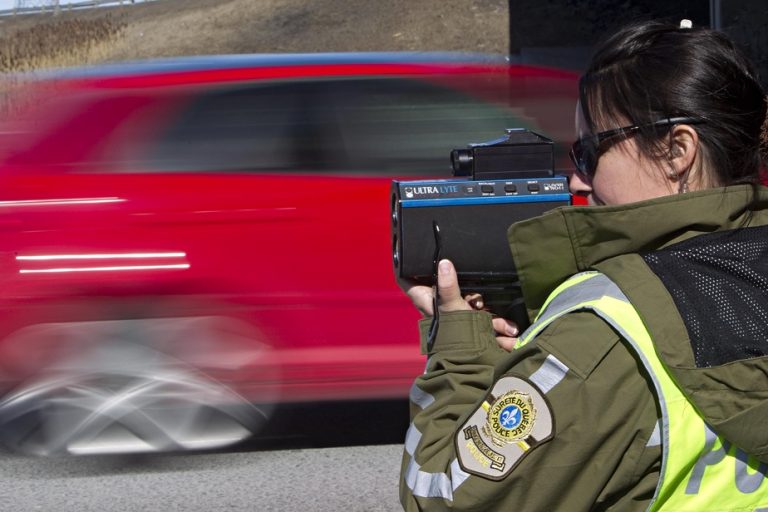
(506, 333)
(405, 284)
(448, 286)
(421, 296)
(506, 342)
(504, 327)
(475, 300)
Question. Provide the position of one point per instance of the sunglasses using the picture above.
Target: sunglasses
(586, 151)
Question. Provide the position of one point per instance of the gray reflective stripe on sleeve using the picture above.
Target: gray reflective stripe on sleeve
(420, 397)
(412, 438)
(434, 485)
(430, 485)
(655, 439)
(549, 375)
(458, 475)
(427, 485)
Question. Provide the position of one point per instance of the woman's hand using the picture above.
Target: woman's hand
(452, 300)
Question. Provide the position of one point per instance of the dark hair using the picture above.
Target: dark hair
(652, 70)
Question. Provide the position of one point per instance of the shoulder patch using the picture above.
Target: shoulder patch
(513, 419)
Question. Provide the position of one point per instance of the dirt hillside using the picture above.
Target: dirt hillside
(186, 27)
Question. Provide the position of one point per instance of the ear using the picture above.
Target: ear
(684, 146)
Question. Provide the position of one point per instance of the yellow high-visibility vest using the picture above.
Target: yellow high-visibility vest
(700, 471)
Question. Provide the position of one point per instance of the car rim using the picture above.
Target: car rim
(163, 406)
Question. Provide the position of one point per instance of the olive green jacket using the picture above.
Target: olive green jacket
(604, 453)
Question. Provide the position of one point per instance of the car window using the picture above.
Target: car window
(245, 129)
(399, 126)
(362, 126)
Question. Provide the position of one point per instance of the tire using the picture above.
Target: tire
(124, 397)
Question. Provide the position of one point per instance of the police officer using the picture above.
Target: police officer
(643, 382)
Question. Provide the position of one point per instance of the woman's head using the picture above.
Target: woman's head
(690, 106)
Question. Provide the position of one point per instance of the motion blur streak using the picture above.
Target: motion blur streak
(183, 265)
(60, 202)
(101, 269)
(102, 256)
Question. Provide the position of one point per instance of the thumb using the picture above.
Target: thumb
(448, 288)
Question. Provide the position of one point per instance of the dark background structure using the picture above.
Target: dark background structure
(562, 32)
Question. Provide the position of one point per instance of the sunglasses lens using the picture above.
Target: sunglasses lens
(577, 157)
(584, 157)
(589, 161)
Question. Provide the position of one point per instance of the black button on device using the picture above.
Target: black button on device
(533, 187)
(510, 188)
(486, 189)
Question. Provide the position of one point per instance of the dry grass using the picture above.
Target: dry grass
(58, 43)
(54, 43)
(168, 28)
(298, 26)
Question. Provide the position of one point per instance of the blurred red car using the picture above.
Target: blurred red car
(184, 239)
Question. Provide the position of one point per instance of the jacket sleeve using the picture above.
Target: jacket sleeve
(602, 449)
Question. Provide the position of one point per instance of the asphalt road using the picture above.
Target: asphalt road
(321, 458)
(350, 479)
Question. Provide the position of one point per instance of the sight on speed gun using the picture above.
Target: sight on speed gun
(465, 219)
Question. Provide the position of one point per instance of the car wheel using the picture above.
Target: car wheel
(124, 398)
